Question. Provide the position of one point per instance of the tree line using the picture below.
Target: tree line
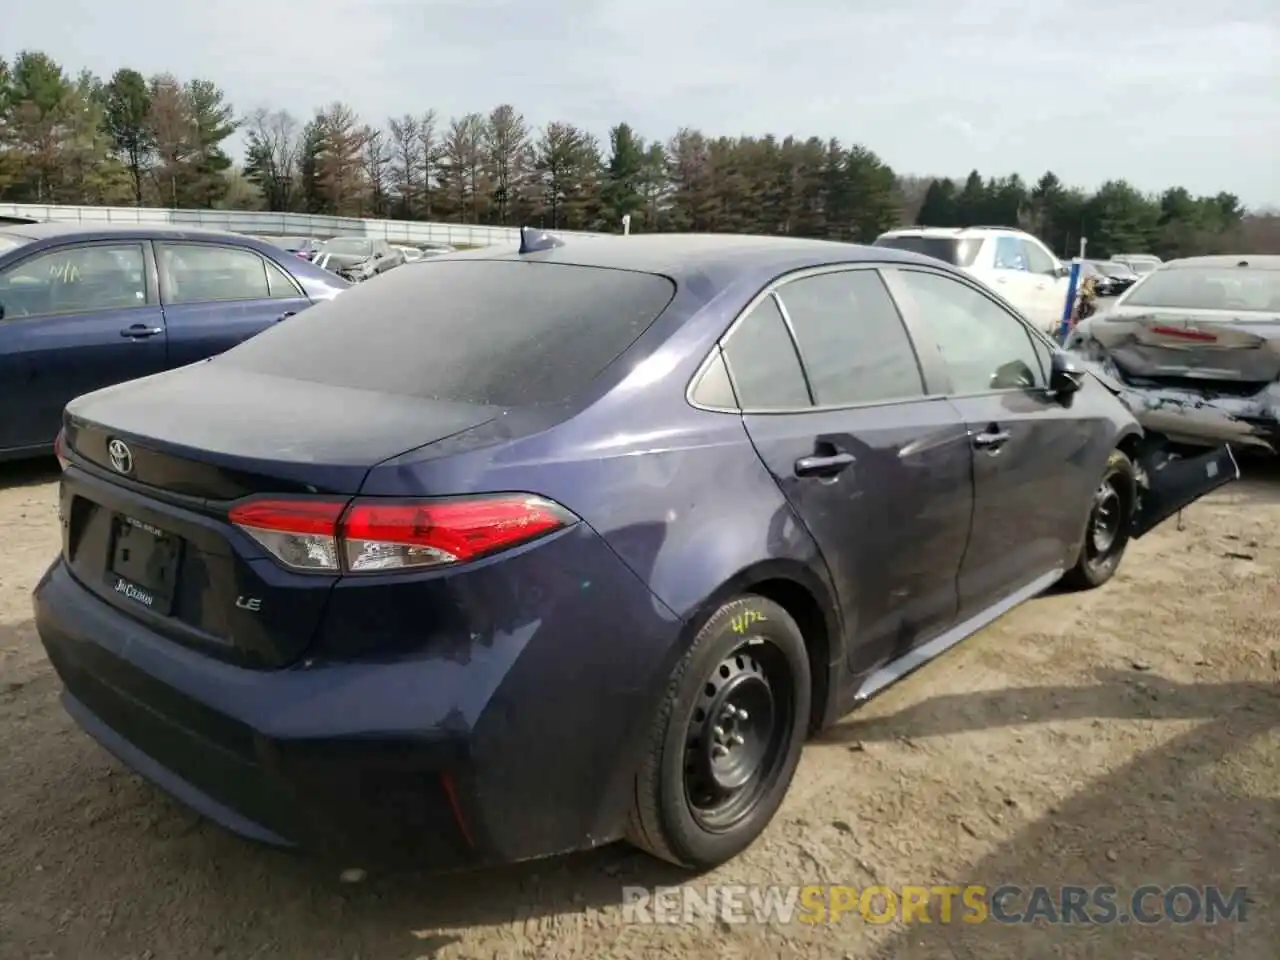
(162, 141)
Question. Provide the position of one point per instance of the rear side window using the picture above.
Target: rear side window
(958, 253)
(1011, 254)
(499, 332)
(853, 343)
(763, 363)
(1037, 260)
(714, 389)
(279, 283)
(9, 241)
(203, 272)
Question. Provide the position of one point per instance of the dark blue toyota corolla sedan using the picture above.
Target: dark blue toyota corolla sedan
(85, 307)
(513, 553)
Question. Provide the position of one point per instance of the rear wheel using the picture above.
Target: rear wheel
(725, 744)
(1107, 529)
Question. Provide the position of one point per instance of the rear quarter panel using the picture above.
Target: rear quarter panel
(679, 493)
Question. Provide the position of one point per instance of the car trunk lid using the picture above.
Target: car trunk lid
(156, 464)
(1199, 345)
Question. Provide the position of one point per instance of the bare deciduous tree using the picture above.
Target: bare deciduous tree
(272, 156)
(507, 146)
(174, 134)
(340, 171)
(428, 156)
(406, 162)
(375, 159)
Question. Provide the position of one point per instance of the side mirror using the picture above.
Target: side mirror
(1066, 377)
(1062, 270)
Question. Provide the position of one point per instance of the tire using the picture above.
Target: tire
(749, 666)
(1112, 506)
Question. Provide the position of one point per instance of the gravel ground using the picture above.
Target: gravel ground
(1127, 736)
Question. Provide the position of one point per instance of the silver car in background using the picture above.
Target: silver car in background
(1195, 346)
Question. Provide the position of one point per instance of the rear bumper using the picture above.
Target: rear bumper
(440, 761)
(1198, 418)
(1190, 417)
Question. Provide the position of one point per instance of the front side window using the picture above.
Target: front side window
(82, 279)
(984, 346)
(762, 361)
(204, 272)
(853, 343)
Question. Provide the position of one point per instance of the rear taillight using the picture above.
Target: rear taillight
(369, 535)
(1182, 333)
(60, 449)
(301, 534)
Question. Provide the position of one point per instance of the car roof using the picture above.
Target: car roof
(1250, 260)
(683, 256)
(100, 231)
(953, 232)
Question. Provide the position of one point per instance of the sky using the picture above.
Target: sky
(1157, 92)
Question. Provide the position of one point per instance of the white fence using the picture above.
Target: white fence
(277, 224)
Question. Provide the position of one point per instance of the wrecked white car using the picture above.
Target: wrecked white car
(1193, 349)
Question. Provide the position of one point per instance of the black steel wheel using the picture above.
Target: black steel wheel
(1107, 527)
(738, 734)
(727, 737)
(1105, 520)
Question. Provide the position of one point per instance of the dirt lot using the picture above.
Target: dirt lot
(1124, 737)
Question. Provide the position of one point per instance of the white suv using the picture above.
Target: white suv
(1014, 264)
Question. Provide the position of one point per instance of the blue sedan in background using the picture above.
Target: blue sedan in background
(84, 308)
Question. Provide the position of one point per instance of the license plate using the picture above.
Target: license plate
(144, 563)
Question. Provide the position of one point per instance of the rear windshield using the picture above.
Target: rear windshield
(505, 333)
(348, 246)
(1115, 269)
(1209, 288)
(11, 241)
(959, 253)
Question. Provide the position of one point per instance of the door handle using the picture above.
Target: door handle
(286, 315)
(1002, 279)
(824, 466)
(140, 331)
(991, 439)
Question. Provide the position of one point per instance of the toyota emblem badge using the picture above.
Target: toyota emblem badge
(121, 456)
